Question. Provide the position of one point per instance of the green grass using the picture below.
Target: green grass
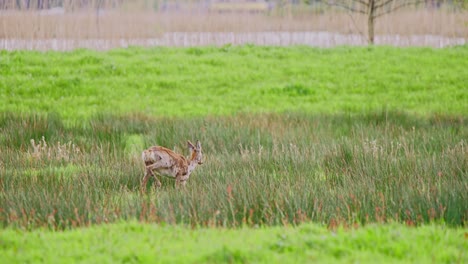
(145, 243)
(229, 80)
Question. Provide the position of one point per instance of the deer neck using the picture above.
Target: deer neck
(192, 165)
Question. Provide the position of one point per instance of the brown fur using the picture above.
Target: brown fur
(180, 160)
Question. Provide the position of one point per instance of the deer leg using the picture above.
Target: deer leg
(157, 182)
(177, 181)
(181, 180)
(152, 167)
(158, 164)
(148, 174)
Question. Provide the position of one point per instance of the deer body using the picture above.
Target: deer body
(166, 162)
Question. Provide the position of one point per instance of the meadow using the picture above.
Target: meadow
(345, 138)
(133, 242)
(210, 81)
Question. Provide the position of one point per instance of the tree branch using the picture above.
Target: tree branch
(366, 4)
(344, 4)
(397, 7)
(349, 8)
(381, 4)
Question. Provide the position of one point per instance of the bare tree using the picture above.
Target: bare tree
(373, 9)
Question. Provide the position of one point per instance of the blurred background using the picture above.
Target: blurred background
(106, 24)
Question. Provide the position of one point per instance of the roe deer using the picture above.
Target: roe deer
(166, 162)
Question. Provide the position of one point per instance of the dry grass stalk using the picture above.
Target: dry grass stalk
(89, 24)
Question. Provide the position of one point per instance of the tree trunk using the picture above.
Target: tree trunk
(370, 21)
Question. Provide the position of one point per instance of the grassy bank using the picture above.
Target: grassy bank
(143, 243)
(208, 81)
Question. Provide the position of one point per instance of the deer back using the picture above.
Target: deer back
(169, 158)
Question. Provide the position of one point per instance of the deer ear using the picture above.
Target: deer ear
(190, 145)
(198, 144)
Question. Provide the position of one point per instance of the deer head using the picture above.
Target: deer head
(196, 154)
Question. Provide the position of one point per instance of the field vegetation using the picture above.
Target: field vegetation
(145, 243)
(346, 138)
(208, 81)
(259, 170)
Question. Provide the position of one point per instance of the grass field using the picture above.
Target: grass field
(230, 80)
(144, 243)
(345, 138)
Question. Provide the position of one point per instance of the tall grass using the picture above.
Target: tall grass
(270, 169)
